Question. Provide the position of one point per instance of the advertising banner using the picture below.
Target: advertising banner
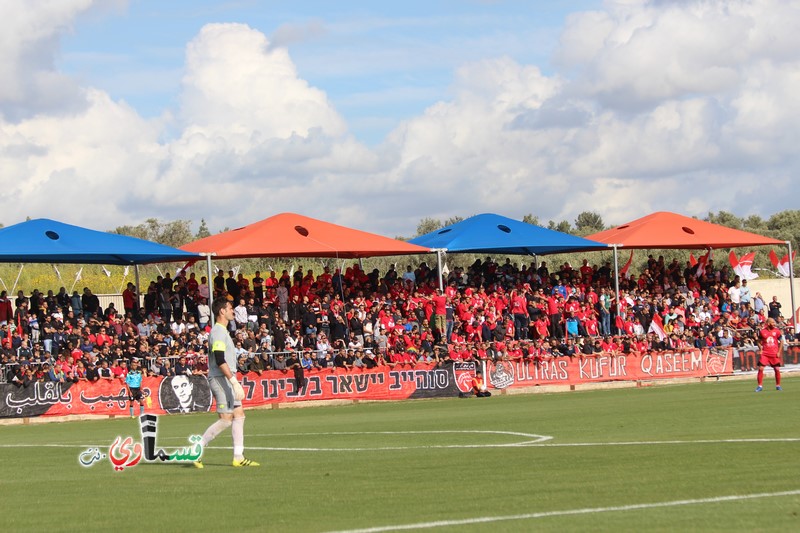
(190, 394)
(605, 367)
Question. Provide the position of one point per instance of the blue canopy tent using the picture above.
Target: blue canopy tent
(48, 241)
(502, 235)
(490, 233)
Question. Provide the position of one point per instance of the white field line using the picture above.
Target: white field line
(571, 512)
(661, 442)
(535, 441)
(538, 442)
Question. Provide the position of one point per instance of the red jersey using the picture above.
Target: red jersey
(440, 304)
(541, 326)
(552, 305)
(591, 298)
(519, 305)
(770, 341)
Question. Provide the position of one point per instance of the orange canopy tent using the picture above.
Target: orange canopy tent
(670, 230)
(292, 235)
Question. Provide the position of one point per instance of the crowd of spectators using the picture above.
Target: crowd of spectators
(356, 319)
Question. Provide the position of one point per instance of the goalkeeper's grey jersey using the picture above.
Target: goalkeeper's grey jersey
(220, 339)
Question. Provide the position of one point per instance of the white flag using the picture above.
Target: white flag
(742, 266)
(106, 272)
(657, 327)
(783, 265)
(125, 273)
(236, 270)
(57, 272)
(78, 274)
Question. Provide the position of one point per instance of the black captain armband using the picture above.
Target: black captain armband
(219, 357)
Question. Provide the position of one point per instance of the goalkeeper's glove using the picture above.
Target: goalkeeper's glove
(238, 391)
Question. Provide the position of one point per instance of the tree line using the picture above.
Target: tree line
(784, 225)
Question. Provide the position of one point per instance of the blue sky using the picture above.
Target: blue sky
(379, 62)
(376, 115)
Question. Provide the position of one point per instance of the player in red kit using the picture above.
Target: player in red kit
(771, 347)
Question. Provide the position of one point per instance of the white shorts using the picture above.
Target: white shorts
(223, 394)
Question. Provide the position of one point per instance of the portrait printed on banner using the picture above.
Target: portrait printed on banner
(185, 394)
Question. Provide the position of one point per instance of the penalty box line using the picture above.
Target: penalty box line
(572, 512)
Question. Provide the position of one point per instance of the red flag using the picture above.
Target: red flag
(783, 265)
(742, 266)
(627, 266)
(657, 327)
(701, 263)
(773, 257)
(186, 266)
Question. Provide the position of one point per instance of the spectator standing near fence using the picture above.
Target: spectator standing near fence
(439, 301)
(6, 310)
(745, 295)
(203, 313)
(129, 300)
(90, 303)
(771, 347)
(774, 309)
(294, 363)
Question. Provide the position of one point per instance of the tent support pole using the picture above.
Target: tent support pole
(439, 269)
(791, 286)
(138, 289)
(616, 284)
(209, 280)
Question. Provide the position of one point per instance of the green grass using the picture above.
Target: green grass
(375, 464)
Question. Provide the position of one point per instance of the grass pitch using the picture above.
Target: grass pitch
(713, 456)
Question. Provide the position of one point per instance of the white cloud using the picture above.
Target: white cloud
(236, 85)
(29, 39)
(660, 106)
(681, 106)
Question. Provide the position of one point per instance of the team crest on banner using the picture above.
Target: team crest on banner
(501, 374)
(464, 372)
(716, 361)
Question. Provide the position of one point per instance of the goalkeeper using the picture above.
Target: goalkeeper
(227, 390)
